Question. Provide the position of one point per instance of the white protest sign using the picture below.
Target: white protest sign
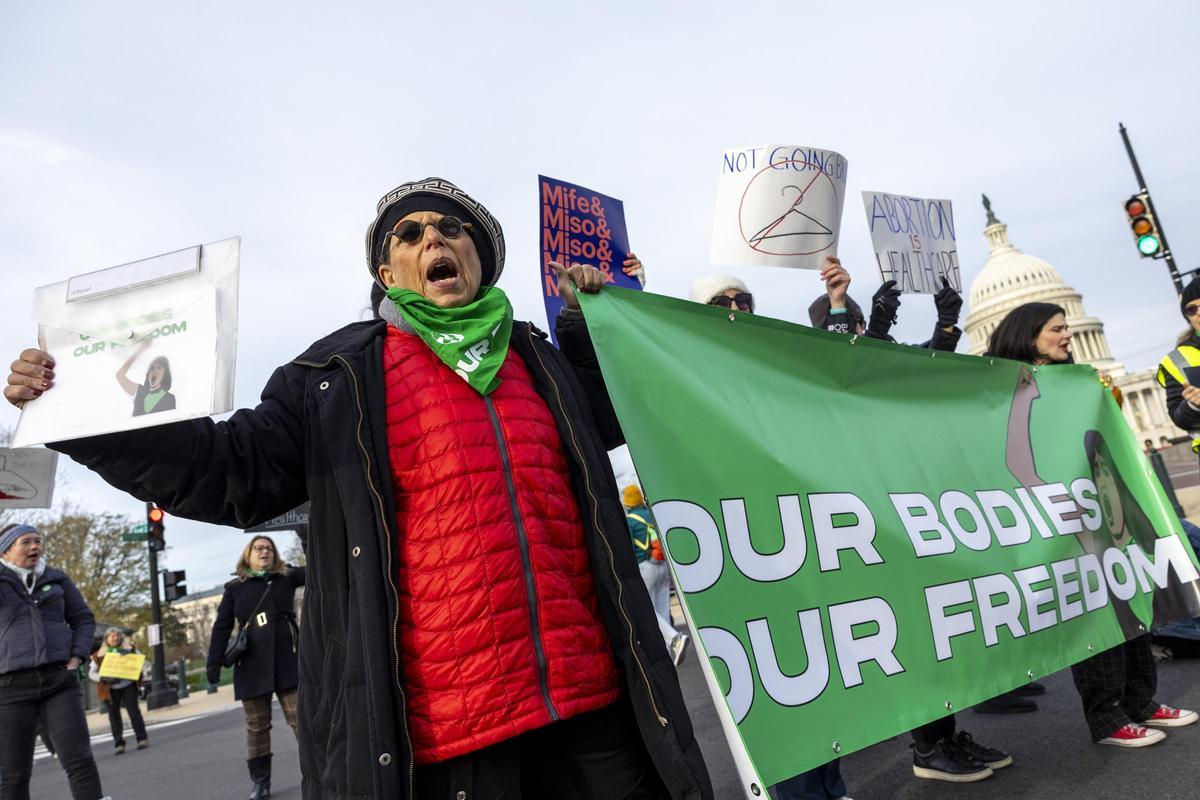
(914, 241)
(137, 345)
(778, 206)
(26, 477)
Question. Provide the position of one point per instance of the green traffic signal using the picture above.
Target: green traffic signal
(1148, 245)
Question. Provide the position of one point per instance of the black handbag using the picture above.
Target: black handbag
(240, 643)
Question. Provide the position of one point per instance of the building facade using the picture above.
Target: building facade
(1010, 278)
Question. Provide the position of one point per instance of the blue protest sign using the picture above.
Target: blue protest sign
(579, 226)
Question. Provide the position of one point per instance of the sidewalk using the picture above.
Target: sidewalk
(194, 704)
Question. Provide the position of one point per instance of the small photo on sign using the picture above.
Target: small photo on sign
(914, 242)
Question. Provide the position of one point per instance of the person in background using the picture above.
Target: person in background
(45, 634)
(119, 692)
(1116, 686)
(1183, 397)
(262, 600)
(648, 551)
(940, 751)
(836, 311)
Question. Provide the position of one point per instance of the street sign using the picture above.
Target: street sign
(294, 520)
(134, 536)
(141, 528)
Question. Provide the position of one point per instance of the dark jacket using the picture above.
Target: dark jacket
(270, 663)
(47, 626)
(821, 316)
(320, 434)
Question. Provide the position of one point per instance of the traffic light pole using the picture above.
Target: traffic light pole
(160, 694)
(1137, 172)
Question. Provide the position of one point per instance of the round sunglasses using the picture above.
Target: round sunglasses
(743, 300)
(410, 231)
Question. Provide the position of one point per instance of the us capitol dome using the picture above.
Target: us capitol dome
(1010, 278)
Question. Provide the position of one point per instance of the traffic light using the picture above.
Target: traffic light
(173, 587)
(1141, 222)
(155, 518)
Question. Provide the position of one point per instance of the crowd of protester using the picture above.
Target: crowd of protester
(486, 615)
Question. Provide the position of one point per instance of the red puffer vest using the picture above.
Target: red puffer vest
(500, 628)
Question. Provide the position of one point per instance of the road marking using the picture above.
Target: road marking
(99, 738)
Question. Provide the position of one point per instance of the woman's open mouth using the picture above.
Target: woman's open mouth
(441, 272)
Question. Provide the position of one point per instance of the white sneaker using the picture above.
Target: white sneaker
(1167, 717)
(679, 648)
(1131, 735)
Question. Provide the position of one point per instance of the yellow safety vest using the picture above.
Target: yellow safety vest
(1173, 364)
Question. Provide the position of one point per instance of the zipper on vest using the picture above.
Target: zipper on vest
(526, 561)
(595, 504)
(387, 529)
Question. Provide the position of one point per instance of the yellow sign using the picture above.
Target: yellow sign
(127, 666)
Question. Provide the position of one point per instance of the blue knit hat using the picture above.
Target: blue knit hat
(10, 534)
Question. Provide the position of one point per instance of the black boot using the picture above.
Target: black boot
(260, 773)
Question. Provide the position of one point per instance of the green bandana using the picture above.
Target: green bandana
(151, 400)
(472, 340)
(256, 573)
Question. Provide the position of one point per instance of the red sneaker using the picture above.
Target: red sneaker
(1133, 736)
(1167, 717)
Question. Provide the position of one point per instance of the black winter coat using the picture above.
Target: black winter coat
(270, 663)
(320, 434)
(46, 626)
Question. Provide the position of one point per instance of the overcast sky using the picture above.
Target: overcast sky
(134, 128)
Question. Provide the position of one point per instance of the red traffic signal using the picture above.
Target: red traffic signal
(154, 522)
(1142, 224)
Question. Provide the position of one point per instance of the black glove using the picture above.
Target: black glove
(214, 675)
(884, 305)
(948, 303)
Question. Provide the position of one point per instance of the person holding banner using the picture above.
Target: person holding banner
(119, 692)
(262, 600)
(478, 622)
(46, 632)
(647, 549)
(1116, 686)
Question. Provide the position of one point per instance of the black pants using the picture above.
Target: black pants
(126, 698)
(49, 695)
(1117, 686)
(594, 756)
(927, 735)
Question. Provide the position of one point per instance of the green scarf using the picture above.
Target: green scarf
(256, 573)
(151, 400)
(472, 340)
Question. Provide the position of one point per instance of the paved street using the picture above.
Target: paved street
(203, 758)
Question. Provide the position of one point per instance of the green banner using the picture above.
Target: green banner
(868, 535)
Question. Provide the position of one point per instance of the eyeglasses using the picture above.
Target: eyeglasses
(1192, 309)
(743, 300)
(410, 231)
(262, 548)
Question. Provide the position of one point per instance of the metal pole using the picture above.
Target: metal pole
(1137, 173)
(160, 694)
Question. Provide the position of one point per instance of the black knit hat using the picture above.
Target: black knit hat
(1190, 292)
(443, 197)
